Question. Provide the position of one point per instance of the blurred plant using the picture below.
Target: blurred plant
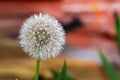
(117, 24)
(62, 75)
(42, 37)
(112, 74)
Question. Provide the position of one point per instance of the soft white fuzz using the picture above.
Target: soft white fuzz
(42, 36)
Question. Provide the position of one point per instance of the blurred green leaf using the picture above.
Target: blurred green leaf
(117, 24)
(56, 73)
(112, 74)
(63, 73)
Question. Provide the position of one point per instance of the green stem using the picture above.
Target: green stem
(37, 69)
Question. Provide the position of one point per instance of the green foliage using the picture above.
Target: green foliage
(117, 24)
(56, 73)
(62, 75)
(112, 74)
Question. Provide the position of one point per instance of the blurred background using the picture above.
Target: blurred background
(89, 26)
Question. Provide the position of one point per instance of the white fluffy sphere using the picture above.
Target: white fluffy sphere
(42, 36)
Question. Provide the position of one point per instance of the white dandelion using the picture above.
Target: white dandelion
(42, 36)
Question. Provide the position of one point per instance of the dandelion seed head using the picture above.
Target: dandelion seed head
(42, 36)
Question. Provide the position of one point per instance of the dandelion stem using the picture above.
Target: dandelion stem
(37, 69)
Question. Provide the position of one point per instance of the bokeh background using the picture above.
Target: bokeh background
(89, 26)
